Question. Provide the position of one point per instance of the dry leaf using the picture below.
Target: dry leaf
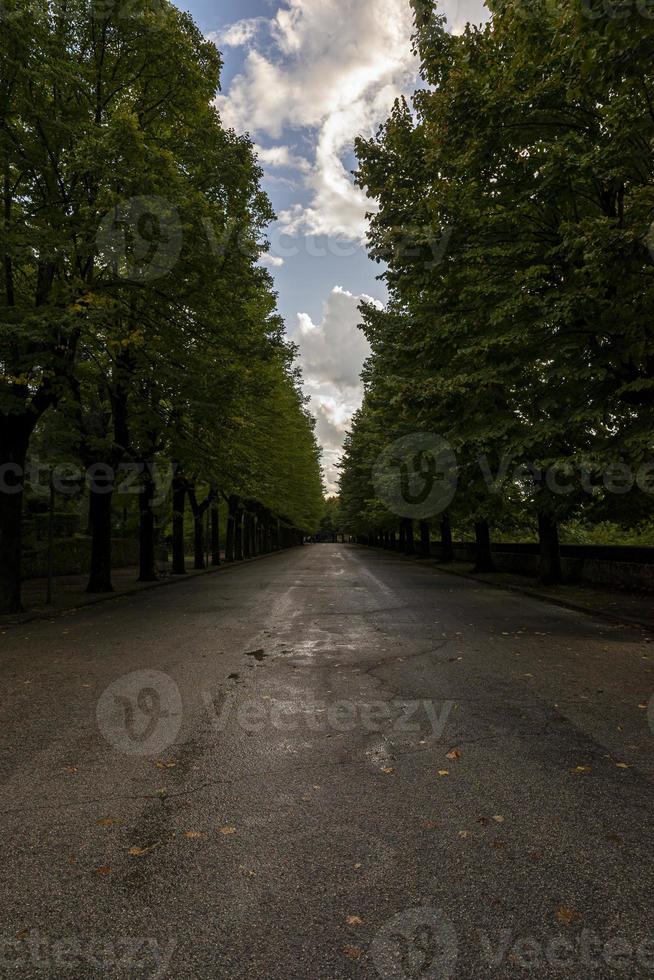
(141, 851)
(567, 915)
(193, 834)
(247, 871)
(352, 951)
(227, 830)
(643, 707)
(103, 870)
(464, 834)
(484, 821)
(581, 769)
(357, 866)
(71, 769)
(498, 819)
(22, 933)
(108, 822)
(388, 770)
(623, 765)
(443, 772)
(354, 920)
(166, 765)
(454, 754)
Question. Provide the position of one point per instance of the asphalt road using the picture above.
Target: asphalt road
(327, 763)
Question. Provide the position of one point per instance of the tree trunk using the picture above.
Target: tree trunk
(409, 544)
(402, 543)
(446, 539)
(247, 530)
(484, 561)
(13, 453)
(238, 535)
(11, 512)
(425, 540)
(549, 572)
(179, 503)
(215, 535)
(147, 570)
(100, 519)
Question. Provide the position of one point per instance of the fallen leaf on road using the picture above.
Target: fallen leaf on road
(22, 933)
(464, 834)
(454, 754)
(357, 866)
(623, 765)
(227, 830)
(141, 851)
(354, 920)
(108, 822)
(103, 870)
(429, 824)
(498, 819)
(352, 951)
(71, 769)
(643, 706)
(498, 845)
(193, 834)
(443, 772)
(567, 915)
(388, 770)
(247, 871)
(484, 821)
(581, 769)
(166, 765)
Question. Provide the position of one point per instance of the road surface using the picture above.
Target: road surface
(328, 763)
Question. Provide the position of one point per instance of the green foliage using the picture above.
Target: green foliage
(514, 200)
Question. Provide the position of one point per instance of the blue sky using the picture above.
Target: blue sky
(304, 78)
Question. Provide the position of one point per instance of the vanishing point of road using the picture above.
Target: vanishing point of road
(331, 762)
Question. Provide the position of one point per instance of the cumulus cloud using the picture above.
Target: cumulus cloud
(239, 33)
(271, 261)
(281, 157)
(331, 354)
(335, 66)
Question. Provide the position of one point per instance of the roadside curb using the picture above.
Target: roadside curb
(12, 622)
(562, 601)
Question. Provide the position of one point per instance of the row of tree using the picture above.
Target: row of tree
(515, 205)
(136, 325)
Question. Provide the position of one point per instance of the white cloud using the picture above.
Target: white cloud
(278, 157)
(239, 33)
(331, 355)
(271, 261)
(335, 66)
